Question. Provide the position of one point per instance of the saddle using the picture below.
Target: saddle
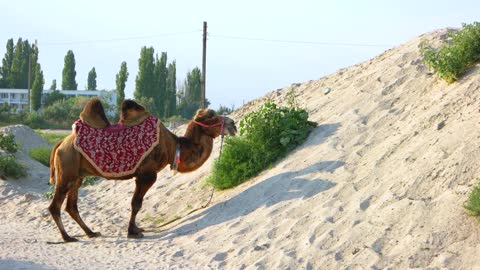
(132, 114)
(116, 150)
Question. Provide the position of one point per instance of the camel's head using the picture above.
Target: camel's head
(212, 123)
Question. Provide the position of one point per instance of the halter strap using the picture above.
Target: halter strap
(220, 123)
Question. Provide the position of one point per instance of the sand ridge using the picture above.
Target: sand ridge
(379, 184)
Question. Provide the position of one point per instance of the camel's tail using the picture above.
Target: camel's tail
(52, 163)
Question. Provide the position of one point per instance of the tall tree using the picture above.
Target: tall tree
(14, 78)
(37, 88)
(191, 99)
(92, 80)
(54, 85)
(171, 90)
(121, 80)
(69, 73)
(160, 73)
(37, 78)
(145, 80)
(32, 60)
(27, 59)
(6, 64)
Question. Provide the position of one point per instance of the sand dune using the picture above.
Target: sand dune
(379, 184)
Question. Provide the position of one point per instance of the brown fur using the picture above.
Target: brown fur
(69, 168)
(132, 113)
(94, 115)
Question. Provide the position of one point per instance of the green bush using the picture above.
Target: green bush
(52, 138)
(10, 167)
(35, 120)
(266, 135)
(457, 55)
(49, 194)
(7, 143)
(87, 181)
(473, 203)
(41, 154)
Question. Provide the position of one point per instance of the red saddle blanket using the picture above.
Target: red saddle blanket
(116, 150)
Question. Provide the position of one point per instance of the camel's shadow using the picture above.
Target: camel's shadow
(279, 188)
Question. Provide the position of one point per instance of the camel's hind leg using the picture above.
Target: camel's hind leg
(142, 184)
(72, 208)
(61, 190)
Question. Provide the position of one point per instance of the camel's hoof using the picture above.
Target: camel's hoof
(70, 239)
(94, 234)
(137, 235)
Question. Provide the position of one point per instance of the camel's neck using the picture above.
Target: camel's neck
(196, 148)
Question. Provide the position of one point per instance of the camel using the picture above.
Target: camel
(68, 166)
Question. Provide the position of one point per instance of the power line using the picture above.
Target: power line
(299, 41)
(120, 39)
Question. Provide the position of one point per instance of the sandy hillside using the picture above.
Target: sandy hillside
(379, 184)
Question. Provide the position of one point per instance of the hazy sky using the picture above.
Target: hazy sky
(253, 47)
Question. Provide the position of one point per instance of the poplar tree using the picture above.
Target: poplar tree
(191, 99)
(171, 90)
(160, 83)
(14, 78)
(26, 59)
(6, 64)
(92, 80)
(37, 88)
(54, 85)
(145, 80)
(69, 73)
(38, 80)
(121, 80)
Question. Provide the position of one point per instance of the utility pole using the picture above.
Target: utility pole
(29, 105)
(204, 65)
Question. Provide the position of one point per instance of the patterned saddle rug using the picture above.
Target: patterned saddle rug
(116, 150)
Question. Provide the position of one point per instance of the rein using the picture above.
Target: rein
(177, 161)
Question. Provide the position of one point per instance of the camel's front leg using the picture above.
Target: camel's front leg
(143, 183)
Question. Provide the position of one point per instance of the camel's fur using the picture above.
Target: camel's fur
(69, 167)
(94, 115)
(132, 113)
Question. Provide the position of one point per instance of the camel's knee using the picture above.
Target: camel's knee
(54, 210)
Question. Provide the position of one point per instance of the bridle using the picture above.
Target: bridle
(220, 123)
(177, 162)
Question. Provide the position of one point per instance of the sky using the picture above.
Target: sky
(253, 47)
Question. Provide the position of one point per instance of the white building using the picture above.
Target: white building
(17, 99)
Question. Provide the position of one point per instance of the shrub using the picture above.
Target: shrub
(41, 154)
(10, 167)
(34, 120)
(7, 143)
(266, 135)
(473, 203)
(87, 181)
(456, 56)
(49, 194)
(52, 138)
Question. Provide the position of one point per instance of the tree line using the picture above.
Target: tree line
(155, 84)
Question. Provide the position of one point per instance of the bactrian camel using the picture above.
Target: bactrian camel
(68, 167)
